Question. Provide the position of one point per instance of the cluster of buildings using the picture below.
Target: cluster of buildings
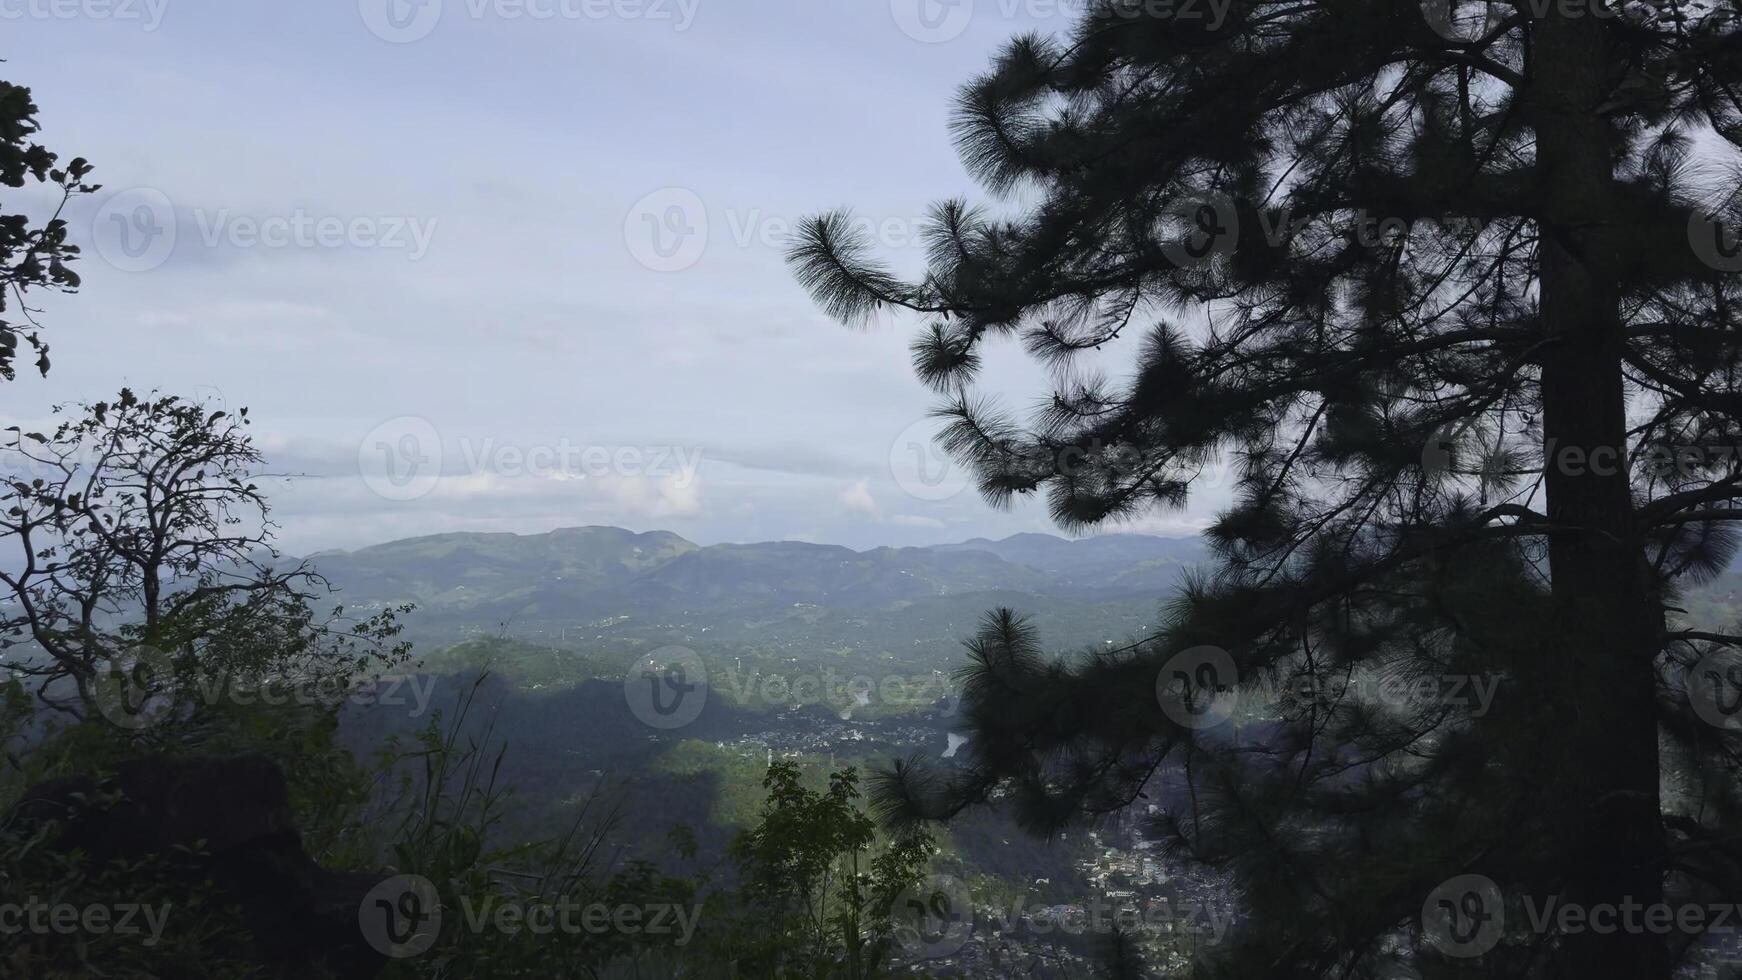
(1172, 914)
(814, 735)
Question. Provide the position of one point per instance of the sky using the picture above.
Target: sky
(514, 265)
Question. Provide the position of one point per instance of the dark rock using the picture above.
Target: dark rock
(237, 812)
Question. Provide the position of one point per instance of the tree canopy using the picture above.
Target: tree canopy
(1450, 288)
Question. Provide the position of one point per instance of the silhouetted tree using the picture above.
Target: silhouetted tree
(31, 256)
(139, 558)
(1121, 958)
(1449, 289)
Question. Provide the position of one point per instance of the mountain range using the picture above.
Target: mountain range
(611, 581)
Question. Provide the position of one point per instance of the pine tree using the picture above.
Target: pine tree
(1450, 289)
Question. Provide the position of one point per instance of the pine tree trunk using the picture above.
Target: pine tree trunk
(1597, 758)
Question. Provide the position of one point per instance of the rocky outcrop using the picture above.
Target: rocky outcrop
(237, 812)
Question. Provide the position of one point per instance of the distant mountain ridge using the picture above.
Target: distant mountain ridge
(585, 575)
(438, 568)
(462, 567)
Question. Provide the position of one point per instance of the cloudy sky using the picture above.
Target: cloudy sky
(511, 265)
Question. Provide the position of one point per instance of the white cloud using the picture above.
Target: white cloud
(487, 336)
(659, 497)
(857, 499)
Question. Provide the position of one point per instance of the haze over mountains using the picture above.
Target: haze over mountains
(558, 620)
(609, 581)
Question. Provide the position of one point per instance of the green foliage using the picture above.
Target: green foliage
(530, 667)
(439, 813)
(818, 886)
(16, 713)
(32, 256)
